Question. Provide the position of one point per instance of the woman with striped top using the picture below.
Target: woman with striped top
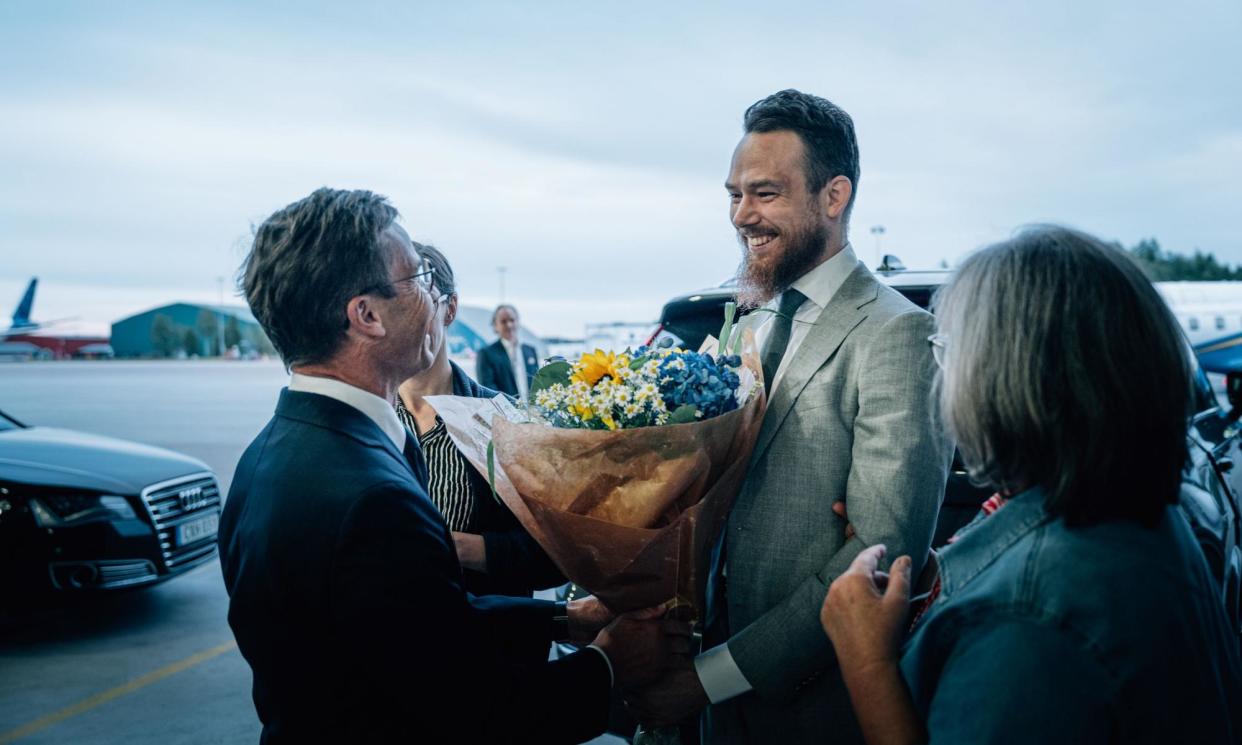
(497, 556)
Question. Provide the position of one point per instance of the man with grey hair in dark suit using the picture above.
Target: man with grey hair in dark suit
(850, 419)
(345, 592)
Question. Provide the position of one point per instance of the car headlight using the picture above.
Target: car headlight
(61, 510)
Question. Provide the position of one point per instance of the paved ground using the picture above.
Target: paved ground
(151, 666)
(156, 665)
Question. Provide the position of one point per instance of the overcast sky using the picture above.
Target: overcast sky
(584, 145)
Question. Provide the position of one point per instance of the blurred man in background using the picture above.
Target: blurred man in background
(507, 365)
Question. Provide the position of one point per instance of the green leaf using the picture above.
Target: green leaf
(683, 414)
(636, 364)
(550, 375)
(730, 310)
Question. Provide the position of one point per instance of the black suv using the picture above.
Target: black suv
(82, 512)
(1211, 484)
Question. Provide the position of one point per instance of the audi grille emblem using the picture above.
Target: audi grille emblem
(192, 499)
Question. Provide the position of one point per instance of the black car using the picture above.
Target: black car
(82, 512)
(1211, 484)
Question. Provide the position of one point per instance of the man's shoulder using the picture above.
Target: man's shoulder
(304, 452)
(890, 303)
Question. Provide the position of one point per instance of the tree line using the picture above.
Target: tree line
(1168, 266)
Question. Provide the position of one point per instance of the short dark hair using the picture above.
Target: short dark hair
(307, 261)
(826, 131)
(503, 306)
(444, 280)
(1065, 369)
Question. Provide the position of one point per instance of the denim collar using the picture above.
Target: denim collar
(982, 541)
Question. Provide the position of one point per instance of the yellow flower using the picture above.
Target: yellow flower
(593, 366)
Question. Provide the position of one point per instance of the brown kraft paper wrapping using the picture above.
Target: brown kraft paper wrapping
(630, 515)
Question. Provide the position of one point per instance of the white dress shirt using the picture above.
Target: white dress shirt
(719, 675)
(819, 285)
(377, 409)
(514, 350)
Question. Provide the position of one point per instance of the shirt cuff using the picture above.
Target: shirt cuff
(611, 678)
(719, 675)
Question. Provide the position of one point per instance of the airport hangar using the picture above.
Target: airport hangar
(187, 328)
(136, 335)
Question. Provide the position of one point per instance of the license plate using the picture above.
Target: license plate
(197, 529)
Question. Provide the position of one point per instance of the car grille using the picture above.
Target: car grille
(103, 574)
(121, 573)
(183, 500)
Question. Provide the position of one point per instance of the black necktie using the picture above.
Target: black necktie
(778, 338)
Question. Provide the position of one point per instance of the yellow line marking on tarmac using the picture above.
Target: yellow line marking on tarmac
(99, 699)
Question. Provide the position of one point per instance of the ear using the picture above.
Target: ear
(364, 319)
(450, 311)
(835, 196)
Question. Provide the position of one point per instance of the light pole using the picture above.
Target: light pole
(877, 231)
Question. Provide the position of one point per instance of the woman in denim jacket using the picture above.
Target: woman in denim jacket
(1081, 610)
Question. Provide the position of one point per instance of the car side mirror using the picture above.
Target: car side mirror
(1233, 392)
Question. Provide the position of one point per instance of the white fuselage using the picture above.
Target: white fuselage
(1205, 310)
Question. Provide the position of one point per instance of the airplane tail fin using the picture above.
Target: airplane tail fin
(21, 316)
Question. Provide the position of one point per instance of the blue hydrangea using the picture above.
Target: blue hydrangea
(706, 384)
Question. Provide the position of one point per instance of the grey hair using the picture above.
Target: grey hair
(503, 306)
(308, 260)
(1065, 369)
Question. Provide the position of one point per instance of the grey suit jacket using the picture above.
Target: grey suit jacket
(852, 419)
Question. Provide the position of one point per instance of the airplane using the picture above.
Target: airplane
(21, 316)
(1206, 311)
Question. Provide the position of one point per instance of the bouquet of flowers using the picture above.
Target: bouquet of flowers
(624, 465)
(646, 388)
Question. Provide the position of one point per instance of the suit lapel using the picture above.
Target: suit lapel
(844, 312)
(506, 364)
(530, 362)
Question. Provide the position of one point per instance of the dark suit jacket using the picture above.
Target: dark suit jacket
(494, 370)
(516, 565)
(346, 598)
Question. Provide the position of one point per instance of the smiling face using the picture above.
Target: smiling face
(785, 231)
(506, 323)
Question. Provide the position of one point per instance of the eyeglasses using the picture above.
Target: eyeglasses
(425, 278)
(939, 344)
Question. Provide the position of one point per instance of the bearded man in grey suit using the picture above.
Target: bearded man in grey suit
(850, 419)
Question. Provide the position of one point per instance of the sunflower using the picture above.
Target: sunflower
(594, 366)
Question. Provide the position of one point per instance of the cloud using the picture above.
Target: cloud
(584, 147)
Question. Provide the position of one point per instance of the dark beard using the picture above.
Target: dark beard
(757, 283)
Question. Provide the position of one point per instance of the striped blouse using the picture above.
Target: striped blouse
(448, 474)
